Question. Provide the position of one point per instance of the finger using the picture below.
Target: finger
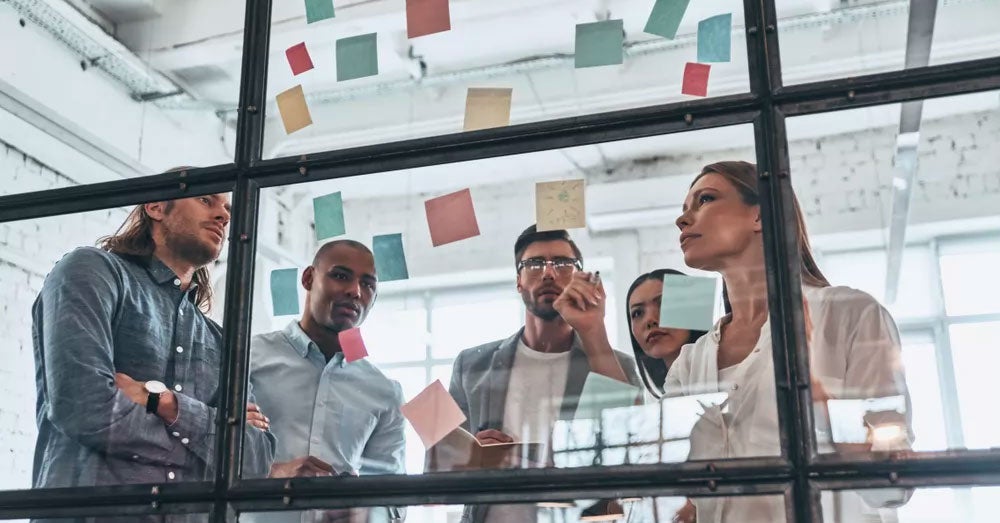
(252, 407)
(580, 297)
(494, 434)
(319, 464)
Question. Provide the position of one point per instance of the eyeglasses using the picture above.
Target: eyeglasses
(561, 266)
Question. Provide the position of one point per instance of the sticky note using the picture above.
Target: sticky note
(666, 17)
(357, 57)
(601, 392)
(715, 36)
(696, 79)
(328, 211)
(293, 109)
(352, 345)
(599, 43)
(298, 58)
(390, 262)
(424, 17)
(487, 107)
(559, 205)
(688, 302)
(451, 218)
(285, 291)
(317, 10)
(433, 414)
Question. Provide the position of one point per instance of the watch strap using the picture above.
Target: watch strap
(152, 402)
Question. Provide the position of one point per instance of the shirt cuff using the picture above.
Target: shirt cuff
(194, 419)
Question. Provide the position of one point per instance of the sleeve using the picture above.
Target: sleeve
(258, 447)
(385, 451)
(77, 304)
(458, 392)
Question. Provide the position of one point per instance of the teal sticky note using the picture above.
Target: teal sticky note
(328, 211)
(285, 291)
(599, 43)
(715, 37)
(390, 262)
(688, 302)
(317, 10)
(357, 57)
(666, 17)
(600, 393)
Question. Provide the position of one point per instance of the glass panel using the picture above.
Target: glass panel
(172, 518)
(95, 333)
(637, 509)
(830, 39)
(888, 192)
(365, 77)
(155, 86)
(921, 505)
(560, 400)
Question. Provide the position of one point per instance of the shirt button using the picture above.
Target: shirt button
(736, 387)
(135, 457)
(177, 282)
(178, 387)
(176, 434)
(180, 349)
(185, 441)
(171, 475)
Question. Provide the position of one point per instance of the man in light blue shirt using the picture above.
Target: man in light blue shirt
(330, 417)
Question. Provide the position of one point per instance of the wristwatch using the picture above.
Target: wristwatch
(154, 388)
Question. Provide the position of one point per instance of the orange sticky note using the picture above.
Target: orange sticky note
(487, 107)
(298, 58)
(424, 17)
(293, 109)
(352, 345)
(433, 413)
(451, 217)
(696, 79)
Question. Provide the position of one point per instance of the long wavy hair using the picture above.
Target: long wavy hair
(135, 239)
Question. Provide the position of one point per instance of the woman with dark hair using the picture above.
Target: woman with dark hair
(655, 348)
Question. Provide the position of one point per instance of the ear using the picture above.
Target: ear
(758, 224)
(156, 210)
(519, 287)
(307, 277)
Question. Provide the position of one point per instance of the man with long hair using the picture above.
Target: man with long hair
(127, 363)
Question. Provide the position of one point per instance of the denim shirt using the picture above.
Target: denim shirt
(100, 313)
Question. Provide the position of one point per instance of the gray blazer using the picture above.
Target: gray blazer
(479, 381)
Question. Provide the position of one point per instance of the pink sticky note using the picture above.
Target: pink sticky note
(298, 58)
(696, 79)
(433, 414)
(424, 17)
(451, 217)
(352, 344)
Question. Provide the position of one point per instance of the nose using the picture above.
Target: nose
(684, 220)
(223, 215)
(353, 289)
(548, 271)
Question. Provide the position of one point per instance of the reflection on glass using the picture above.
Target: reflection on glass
(924, 505)
(452, 333)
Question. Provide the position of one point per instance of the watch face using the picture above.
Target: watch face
(155, 387)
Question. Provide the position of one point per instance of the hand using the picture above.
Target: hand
(343, 515)
(133, 390)
(305, 467)
(582, 302)
(686, 514)
(257, 418)
(491, 436)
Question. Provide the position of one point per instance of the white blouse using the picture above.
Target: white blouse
(855, 354)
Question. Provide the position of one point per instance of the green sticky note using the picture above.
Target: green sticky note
(599, 43)
(284, 291)
(666, 17)
(715, 37)
(357, 57)
(688, 302)
(601, 392)
(390, 262)
(328, 212)
(317, 10)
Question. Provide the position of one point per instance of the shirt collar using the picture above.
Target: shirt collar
(301, 342)
(160, 272)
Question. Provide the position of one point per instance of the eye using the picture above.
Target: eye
(206, 200)
(338, 275)
(636, 313)
(369, 285)
(705, 198)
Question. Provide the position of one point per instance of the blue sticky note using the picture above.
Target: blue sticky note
(357, 57)
(328, 211)
(666, 17)
(390, 262)
(688, 302)
(600, 393)
(599, 43)
(285, 291)
(715, 37)
(317, 10)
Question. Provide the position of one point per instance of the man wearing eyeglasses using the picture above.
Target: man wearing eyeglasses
(516, 389)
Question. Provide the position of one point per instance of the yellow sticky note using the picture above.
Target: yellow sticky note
(487, 107)
(560, 205)
(293, 109)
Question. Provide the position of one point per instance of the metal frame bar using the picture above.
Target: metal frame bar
(799, 474)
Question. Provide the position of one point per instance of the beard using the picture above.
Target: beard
(539, 309)
(190, 248)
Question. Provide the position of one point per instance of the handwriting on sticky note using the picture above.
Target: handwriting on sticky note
(298, 58)
(696, 79)
(433, 414)
(390, 261)
(666, 17)
(293, 109)
(352, 345)
(560, 205)
(451, 218)
(284, 291)
(424, 17)
(688, 302)
(328, 213)
(357, 57)
(599, 43)
(487, 107)
(715, 36)
(317, 10)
